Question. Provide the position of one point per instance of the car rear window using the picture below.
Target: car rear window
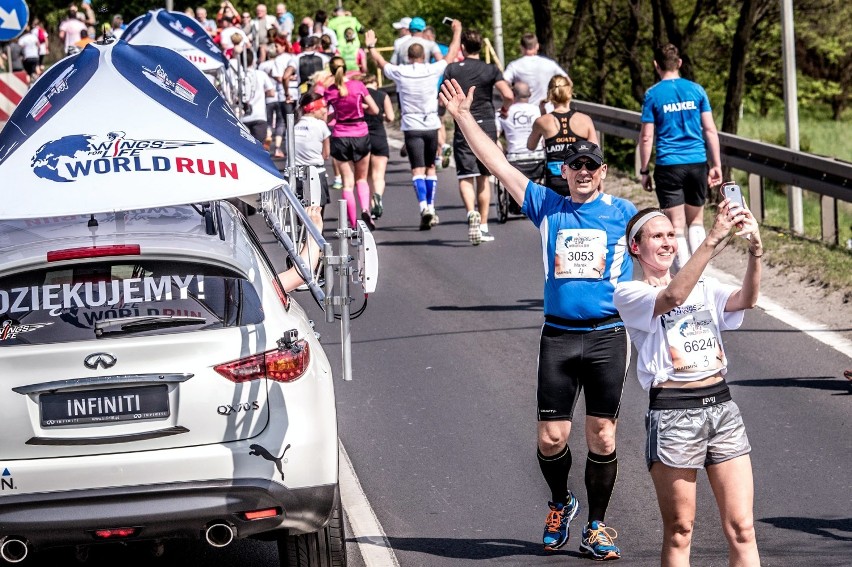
(107, 299)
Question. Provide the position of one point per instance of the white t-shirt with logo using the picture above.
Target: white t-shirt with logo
(517, 127)
(309, 135)
(684, 344)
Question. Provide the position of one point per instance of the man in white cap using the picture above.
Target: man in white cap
(402, 27)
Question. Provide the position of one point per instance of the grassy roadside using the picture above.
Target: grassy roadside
(827, 267)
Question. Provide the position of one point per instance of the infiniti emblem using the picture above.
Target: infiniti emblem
(102, 359)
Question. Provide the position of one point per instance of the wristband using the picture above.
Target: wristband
(644, 171)
(755, 255)
(371, 46)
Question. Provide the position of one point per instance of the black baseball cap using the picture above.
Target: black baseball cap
(583, 149)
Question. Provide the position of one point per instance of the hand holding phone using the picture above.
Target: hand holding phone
(733, 192)
(447, 21)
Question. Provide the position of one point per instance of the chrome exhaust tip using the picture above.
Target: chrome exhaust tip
(13, 550)
(219, 535)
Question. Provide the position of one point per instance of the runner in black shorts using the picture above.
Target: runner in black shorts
(583, 342)
(474, 178)
(378, 143)
(681, 184)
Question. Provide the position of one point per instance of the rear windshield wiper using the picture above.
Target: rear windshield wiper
(144, 323)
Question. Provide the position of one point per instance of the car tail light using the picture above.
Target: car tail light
(282, 295)
(93, 252)
(115, 533)
(280, 365)
(260, 514)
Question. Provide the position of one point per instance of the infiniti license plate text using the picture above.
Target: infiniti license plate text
(104, 406)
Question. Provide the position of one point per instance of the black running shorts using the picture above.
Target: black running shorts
(466, 163)
(679, 184)
(379, 144)
(350, 149)
(569, 361)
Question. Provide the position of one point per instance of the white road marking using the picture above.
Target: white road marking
(818, 331)
(366, 529)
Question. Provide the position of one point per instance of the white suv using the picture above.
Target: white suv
(158, 383)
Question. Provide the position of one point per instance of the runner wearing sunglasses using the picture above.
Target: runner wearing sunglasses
(583, 342)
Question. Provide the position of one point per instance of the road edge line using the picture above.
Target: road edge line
(366, 530)
(817, 331)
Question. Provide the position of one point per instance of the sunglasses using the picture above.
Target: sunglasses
(590, 165)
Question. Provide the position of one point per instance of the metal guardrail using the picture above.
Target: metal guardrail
(829, 177)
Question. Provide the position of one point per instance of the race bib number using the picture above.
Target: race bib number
(693, 340)
(580, 253)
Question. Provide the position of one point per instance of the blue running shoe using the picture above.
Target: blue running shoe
(597, 542)
(556, 529)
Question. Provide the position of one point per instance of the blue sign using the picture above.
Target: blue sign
(14, 15)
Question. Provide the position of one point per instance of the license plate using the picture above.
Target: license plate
(104, 406)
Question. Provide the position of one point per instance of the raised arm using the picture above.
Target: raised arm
(458, 105)
(455, 44)
(682, 284)
(370, 44)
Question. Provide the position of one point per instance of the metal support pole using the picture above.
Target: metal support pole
(497, 16)
(791, 109)
(343, 272)
(291, 163)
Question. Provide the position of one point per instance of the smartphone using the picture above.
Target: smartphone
(733, 192)
(447, 20)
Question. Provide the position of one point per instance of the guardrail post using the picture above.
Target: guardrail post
(828, 219)
(755, 197)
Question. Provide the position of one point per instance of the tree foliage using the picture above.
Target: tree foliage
(731, 47)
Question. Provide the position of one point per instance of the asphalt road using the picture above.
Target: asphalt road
(439, 421)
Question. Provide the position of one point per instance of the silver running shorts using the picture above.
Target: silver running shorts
(696, 437)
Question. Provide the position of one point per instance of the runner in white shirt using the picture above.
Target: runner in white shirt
(313, 138)
(533, 69)
(417, 87)
(516, 127)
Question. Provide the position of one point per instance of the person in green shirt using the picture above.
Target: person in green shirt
(344, 19)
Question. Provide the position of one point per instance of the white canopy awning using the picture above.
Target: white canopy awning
(178, 32)
(122, 127)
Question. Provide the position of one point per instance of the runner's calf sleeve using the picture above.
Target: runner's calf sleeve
(419, 182)
(555, 470)
(682, 251)
(601, 472)
(696, 235)
(431, 187)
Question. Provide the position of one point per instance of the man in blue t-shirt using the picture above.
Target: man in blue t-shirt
(676, 116)
(583, 345)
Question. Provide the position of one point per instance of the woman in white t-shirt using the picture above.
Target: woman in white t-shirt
(692, 423)
(312, 137)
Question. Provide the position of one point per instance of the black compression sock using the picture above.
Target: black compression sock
(555, 470)
(601, 472)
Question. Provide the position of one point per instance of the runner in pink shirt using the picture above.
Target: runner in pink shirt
(350, 139)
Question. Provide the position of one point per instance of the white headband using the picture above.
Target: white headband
(641, 222)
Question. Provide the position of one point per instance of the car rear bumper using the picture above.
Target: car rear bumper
(182, 510)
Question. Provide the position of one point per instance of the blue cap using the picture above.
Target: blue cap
(417, 24)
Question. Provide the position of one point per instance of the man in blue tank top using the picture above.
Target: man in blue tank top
(676, 116)
(583, 345)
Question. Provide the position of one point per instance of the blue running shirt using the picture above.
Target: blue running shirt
(584, 250)
(675, 107)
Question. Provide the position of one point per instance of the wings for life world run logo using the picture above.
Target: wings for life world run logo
(80, 155)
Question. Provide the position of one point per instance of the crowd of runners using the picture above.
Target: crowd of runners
(612, 274)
